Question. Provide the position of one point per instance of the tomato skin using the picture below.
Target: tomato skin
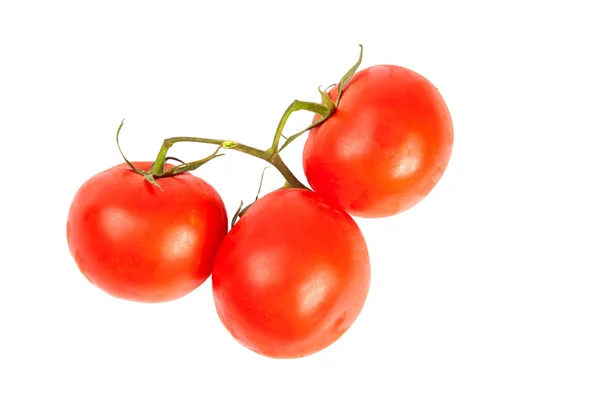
(139, 243)
(386, 146)
(292, 275)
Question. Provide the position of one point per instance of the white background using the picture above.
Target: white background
(488, 289)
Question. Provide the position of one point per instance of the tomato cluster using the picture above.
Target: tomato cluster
(293, 272)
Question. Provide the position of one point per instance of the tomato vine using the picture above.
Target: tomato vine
(325, 110)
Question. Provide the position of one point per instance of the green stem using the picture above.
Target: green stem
(241, 209)
(159, 165)
(318, 122)
(278, 163)
(297, 105)
(325, 110)
(346, 78)
(185, 167)
(273, 159)
(227, 144)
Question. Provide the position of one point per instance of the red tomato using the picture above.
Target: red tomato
(292, 275)
(139, 243)
(386, 146)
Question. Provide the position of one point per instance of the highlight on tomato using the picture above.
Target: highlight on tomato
(292, 275)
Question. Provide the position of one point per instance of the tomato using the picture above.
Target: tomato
(139, 243)
(385, 147)
(292, 275)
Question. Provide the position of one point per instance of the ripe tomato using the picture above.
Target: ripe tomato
(292, 275)
(139, 243)
(386, 146)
